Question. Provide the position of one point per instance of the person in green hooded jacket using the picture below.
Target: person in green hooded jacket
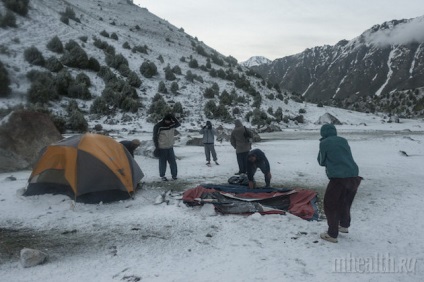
(336, 156)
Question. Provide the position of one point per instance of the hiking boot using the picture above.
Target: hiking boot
(164, 178)
(216, 162)
(208, 163)
(238, 173)
(343, 229)
(174, 178)
(328, 238)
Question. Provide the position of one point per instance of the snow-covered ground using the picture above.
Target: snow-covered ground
(136, 240)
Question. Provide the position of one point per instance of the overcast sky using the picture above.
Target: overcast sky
(278, 28)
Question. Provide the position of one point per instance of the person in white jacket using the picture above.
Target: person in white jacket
(208, 142)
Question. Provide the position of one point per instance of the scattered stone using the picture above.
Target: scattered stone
(32, 257)
(11, 178)
(328, 118)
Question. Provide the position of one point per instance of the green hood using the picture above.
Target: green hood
(328, 130)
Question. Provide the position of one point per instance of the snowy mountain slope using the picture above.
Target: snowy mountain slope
(385, 59)
(166, 45)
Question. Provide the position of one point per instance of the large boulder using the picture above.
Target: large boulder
(22, 136)
(328, 118)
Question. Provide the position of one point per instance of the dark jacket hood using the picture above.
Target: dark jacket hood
(328, 130)
(238, 123)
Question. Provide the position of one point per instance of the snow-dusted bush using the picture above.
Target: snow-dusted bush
(82, 78)
(62, 82)
(18, 6)
(53, 64)
(33, 56)
(79, 91)
(174, 87)
(83, 38)
(75, 56)
(162, 87)
(177, 70)
(99, 106)
(126, 45)
(193, 64)
(114, 36)
(77, 122)
(178, 108)
(158, 108)
(140, 49)
(169, 74)
(42, 88)
(4, 81)
(133, 79)
(130, 105)
(209, 93)
(148, 69)
(210, 109)
(8, 20)
(55, 45)
(93, 64)
(104, 33)
(114, 61)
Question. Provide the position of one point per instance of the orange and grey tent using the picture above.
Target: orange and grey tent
(88, 168)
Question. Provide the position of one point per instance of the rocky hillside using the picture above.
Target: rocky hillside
(110, 61)
(370, 72)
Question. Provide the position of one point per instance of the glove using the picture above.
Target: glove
(156, 153)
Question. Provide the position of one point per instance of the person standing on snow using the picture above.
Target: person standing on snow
(163, 138)
(336, 156)
(208, 142)
(241, 141)
(257, 159)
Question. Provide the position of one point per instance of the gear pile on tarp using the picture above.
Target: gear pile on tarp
(239, 199)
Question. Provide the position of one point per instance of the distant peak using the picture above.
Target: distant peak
(255, 61)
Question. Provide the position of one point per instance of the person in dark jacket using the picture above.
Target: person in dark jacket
(208, 142)
(240, 140)
(257, 159)
(163, 138)
(336, 156)
(131, 145)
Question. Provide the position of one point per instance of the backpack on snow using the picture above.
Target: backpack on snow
(239, 180)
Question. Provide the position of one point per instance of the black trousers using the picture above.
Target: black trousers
(338, 199)
(242, 161)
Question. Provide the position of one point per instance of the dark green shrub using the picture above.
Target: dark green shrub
(79, 91)
(160, 58)
(114, 61)
(93, 64)
(106, 74)
(77, 122)
(148, 69)
(189, 76)
(55, 45)
(302, 111)
(129, 105)
(18, 6)
(99, 106)
(140, 49)
(53, 64)
(193, 64)
(174, 87)
(4, 81)
(114, 36)
(210, 109)
(83, 38)
(62, 82)
(176, 70)
(209, 93)
(133, 79)
(33, 56)
(169, 74)
(42, 88)
(178, 108)
(162, 87)
(64, 19)
(8, 20)
(126, 45)
(75, 57)
(82, 78)
(225, 98)
(158, 107)
(104, 33)
(201, 51)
